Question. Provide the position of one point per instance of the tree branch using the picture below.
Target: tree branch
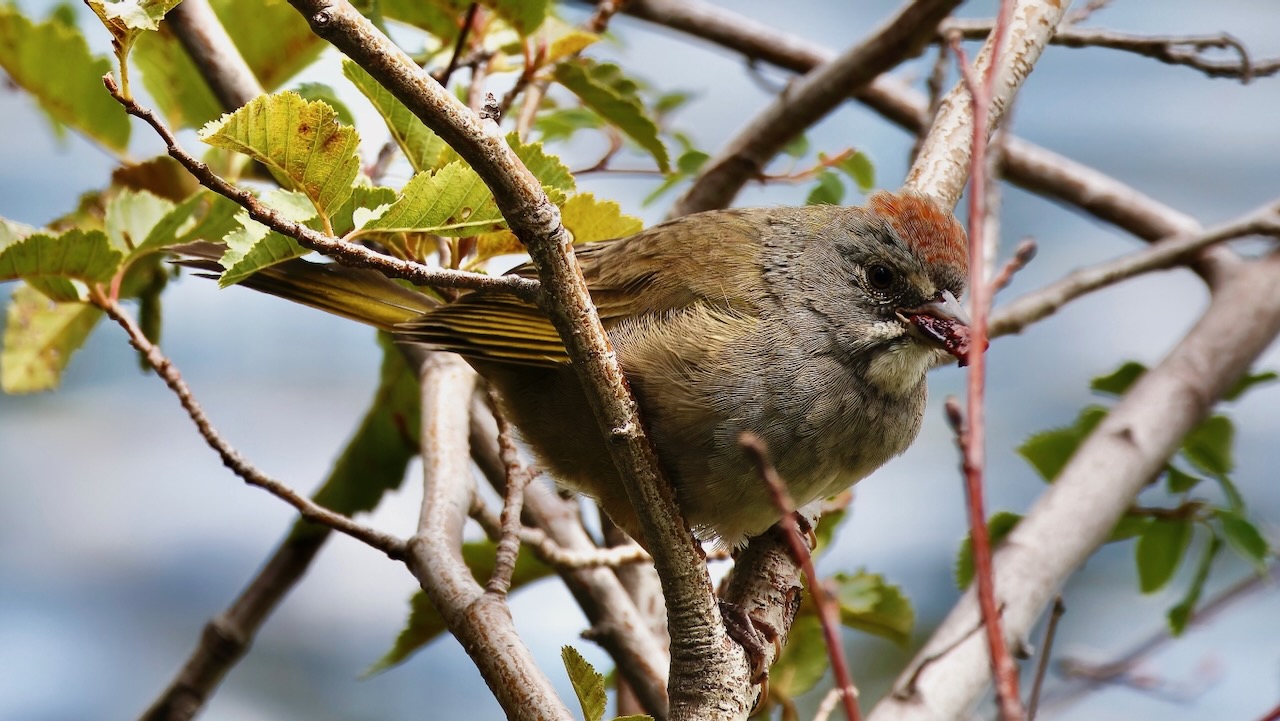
(807, 101)
(214, 54)
(393, 547)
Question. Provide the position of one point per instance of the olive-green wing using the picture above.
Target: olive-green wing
(654, 272)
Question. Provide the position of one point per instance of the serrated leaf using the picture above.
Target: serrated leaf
(173, 81)
(274, 40)
(547, 168)
(803, 661)
(302, 142)
(1049, 451)
(1245, 538)
(365, 198)
(999, 526)
(253, 246)
(49, 263)
(592, 220)
(603, 88)
(563, 123)
(1117, 382)
(1180, 614)
(1208, 446)
(377, 456)
(39, 338)
(588, 684)
(127, 19)
(420, 144)
(454, 201)
(872, 605)
(51, 61)
(1178, 481)
(1246, 383)
(860, 169)
(1160, 550)
(425, 622)
(828, 191)
(131, 216)
(492, 245)
(441, 18)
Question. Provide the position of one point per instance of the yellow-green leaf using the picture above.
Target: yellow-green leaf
(126, 19)
(49, 263)
(524, 15)
(51, 61)
(39, 338)
(171, 78)
(271, 36)
(131, 216)
(603, 88)
(420, 144)
(803, 661)
(451, 202)
(302, 142)
(591, 220)
(875, 606)
(440, 18)
(588, 684)
(253, 246)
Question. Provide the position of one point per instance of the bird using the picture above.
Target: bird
(811, 327)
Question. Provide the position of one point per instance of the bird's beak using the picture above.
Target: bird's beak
(941, 322)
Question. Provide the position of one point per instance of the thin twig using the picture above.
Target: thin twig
(555, 555)
(467, 23)
(1046, 650)
(393, 547)
(973, 438)
(1046, 301)
(518, 477)
(1022, 255)
(828, 610)
(1186, 50)
(350, 254)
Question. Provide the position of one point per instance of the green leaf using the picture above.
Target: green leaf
(591, 220)
(49, 263)
(440, 18)
(1246, 383)
(253, 246)
(1180, 614)
(1160, 550)
(321, 91)
(1118, 381)
(872, 605)
(131, 216)
(173, 81)
(998, 528)
(563, 123)
(161, 176)
(828, 191)
(273, 38)
(603, 88)
(301, 142)
(377, 456)
(523, 15)
(1049, 451)
(421, 146)
(452, 202)
(1208, 446)
(547, 168)
(797, 147)
(860, 169)
(826, 530)
(691, 161)
(1245, 538)
(588, 684)
(803, 661)
(51, 61)
(425, 622)
(39, 338)
(1129, 526)
(1178, 481)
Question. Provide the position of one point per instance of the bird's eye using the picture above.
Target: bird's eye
(880, 277)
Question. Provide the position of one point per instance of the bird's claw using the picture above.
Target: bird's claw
(754, 636)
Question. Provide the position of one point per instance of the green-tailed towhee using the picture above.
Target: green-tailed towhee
(811, 327)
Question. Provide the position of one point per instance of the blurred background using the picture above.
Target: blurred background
(121, 533)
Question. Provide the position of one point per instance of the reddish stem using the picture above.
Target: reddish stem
(973, 437)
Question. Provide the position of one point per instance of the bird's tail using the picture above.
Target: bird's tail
(360, 294)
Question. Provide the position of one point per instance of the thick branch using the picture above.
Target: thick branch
(214, 54)
(807, 101)
(1078, 511)
(480, 621)
(700, 640)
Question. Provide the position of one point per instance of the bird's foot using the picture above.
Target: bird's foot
(754, 636)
